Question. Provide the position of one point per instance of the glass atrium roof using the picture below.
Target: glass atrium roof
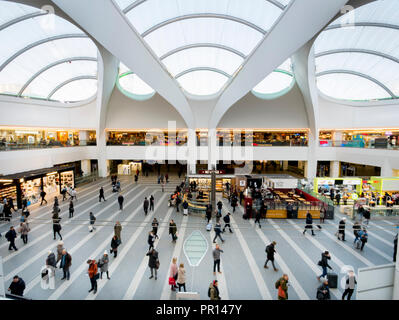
(202, 43)
(44, 56)
(131, 84)
(357, 56)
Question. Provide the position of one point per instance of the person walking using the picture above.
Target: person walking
(101, 196)
(322, 214)
(173, 230)
(103, 265)
(185, 207)
(152, 203)
(150, 240)
(17, 286)
(220, 206)
(270, 251)
(356, 228)
(208, 213)
(145, 205)
(341, 229)
(173, 273)
(153, 262)
(216, 258)
(309, 223)
(120, 201)
(43, 196)
(218, 232)
(93, 274)
(72, 193)
(24, 204)
(257, 217)
(64, 193)
(323, 263)
(363, 238)
(155, 225)
(167, 177)
(11, 235)
(234, 203)
(115, 242)
(395, 247)
(56, 204)
(56, 225)
(213, 291)
(282, 286)
(226, 220)
(323, 292)
(92, 221)
(118, 230)
(181, 277)
(350, 283)
(366, 215)
(65, 264)
(24, 230)
(71, 209)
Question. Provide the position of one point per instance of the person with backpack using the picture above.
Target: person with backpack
(120, 201)
(145, 205)
(71, 209)
(218, 232)
(173, 230)
(226, 220)
(115, 242)
(11, 235)
(43, 195)
(270, 250)
(216, 258)
(323, 263)
(103, 265)
(24, 230)
(350, 283)
(17, 286)
(309, 223)
(153, 262)
(152, 203)
(323, 292)
(92, 221)
(282, 286)
(341, 229)
(93, 274)
(213, 291)
(65, 264)
(56, 225)
(258, 217)
(101, 195)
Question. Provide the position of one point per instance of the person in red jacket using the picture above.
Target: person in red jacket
(93, 274)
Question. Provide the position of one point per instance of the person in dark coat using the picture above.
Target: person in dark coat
(120, 201)
(92, 219)
(150, 240)
(65, 264)
(395, 247)
(71, 209)
(115, 242)
(234, 203)
(341, 229)
(152, 203)
(220, 206)
(56, 225)
(332, 195)
(323, 263)
(101, 196)
(17, 286)
(43, 195)
(208, 213)
(218, 232)
(173, 230)
(257, 217)
(155, 225)
(270, 250)
(226, 220)
(323, 292)
(366, 215)
(153, 262)
(11, 235)
(309, 223)
(145, 205)
(338, 198)
(24, 204)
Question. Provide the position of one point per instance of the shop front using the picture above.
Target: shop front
(348, 185)
(203, 181)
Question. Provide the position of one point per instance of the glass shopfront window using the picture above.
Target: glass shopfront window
(146, 138)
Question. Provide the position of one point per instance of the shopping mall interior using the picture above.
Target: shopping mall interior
(279, 112)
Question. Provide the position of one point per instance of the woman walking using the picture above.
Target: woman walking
(181, 277)
(23, 230)
(173, 274)
(115, 242)
(56, 225)
(103, 264)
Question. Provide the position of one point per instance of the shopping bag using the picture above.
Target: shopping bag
(172, 281)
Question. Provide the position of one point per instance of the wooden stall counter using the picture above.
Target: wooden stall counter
(302, 214)
(276, 214)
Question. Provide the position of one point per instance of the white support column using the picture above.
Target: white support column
(85, 165)
(212, 149)
(285, 165)
(192, 152)
(334, 169)
(83, 137)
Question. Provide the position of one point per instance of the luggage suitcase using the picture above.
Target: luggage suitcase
(209, 226)
(332, 278)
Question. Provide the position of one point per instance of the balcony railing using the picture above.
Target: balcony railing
(357, 144)
(9, 146)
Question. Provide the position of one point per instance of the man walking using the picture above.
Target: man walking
(65, 264)
(323, 263)
(43, 195)
(152, 203)
(218, 231)
(216, 258)
(309, 223)
(145, 205)
(120, 201)
(92, 221)
(173, 230)
(101, 195)
(341, 229)
(11, 235)
(257, 217)
(226, 220)
(270, 255)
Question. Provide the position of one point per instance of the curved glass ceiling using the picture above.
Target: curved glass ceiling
(44, 56)
(277, 83)
(132, 86)
(357, 55)
(202, 43)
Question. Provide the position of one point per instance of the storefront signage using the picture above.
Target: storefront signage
(328, 182)
(210, 171)
(242, 183)
(352, 182)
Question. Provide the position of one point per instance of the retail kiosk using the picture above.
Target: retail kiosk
(347, 184)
